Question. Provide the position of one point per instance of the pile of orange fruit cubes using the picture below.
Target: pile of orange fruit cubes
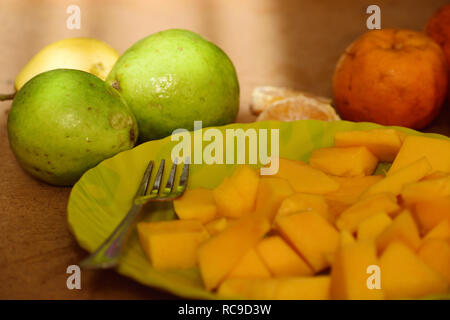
(326, 229)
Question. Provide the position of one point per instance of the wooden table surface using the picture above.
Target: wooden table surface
(286, 43)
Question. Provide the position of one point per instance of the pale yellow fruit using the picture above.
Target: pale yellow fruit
(86, 54)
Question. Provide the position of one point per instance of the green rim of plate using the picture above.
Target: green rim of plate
(103, 195)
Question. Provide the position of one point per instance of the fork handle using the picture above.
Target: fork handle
(107, 255)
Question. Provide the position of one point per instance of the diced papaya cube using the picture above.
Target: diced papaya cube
(369, 206)
(304, 178)
(281, 259)
(405, 275)
(335, 208)
(311, 235)
(172, 226)
(259, 289)
(250, 266)
(291, 288)
(396, 181)
(430, 213)
(174, 250)
(231, 221)
(346, 238)
(436, 254)
(171, 244)
(437, 152)
(441, 231)
(246, 181)
(427, 190)
(236, 195)
(196, 204)
(349, 272)
(351, 188)
(436, 175)
(218, 255)
(303, 288)
(346, 162)
(271, 193)
(216, 226)
(229, 201)
(373, 226)
(305, 202)
(383, 143)
(404, 229)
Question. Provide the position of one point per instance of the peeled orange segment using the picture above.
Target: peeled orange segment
(301, 107)
(264, 97)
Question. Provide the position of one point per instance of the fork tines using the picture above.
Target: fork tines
(168, 192)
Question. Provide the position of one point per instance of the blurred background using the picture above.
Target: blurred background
(293, 43)
(271, 42)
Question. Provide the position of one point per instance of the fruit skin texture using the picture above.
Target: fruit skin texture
(438, 28)
(86, 54)
(391, 77)
(173, 77)
(64, 122)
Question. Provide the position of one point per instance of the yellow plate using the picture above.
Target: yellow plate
(103, 195)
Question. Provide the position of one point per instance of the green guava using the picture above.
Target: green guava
(173, 77)
(63, 122)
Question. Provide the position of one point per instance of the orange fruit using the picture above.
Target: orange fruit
(300, 107)
(438, 28)
(392, 77)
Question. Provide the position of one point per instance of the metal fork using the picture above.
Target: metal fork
(107, 255)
